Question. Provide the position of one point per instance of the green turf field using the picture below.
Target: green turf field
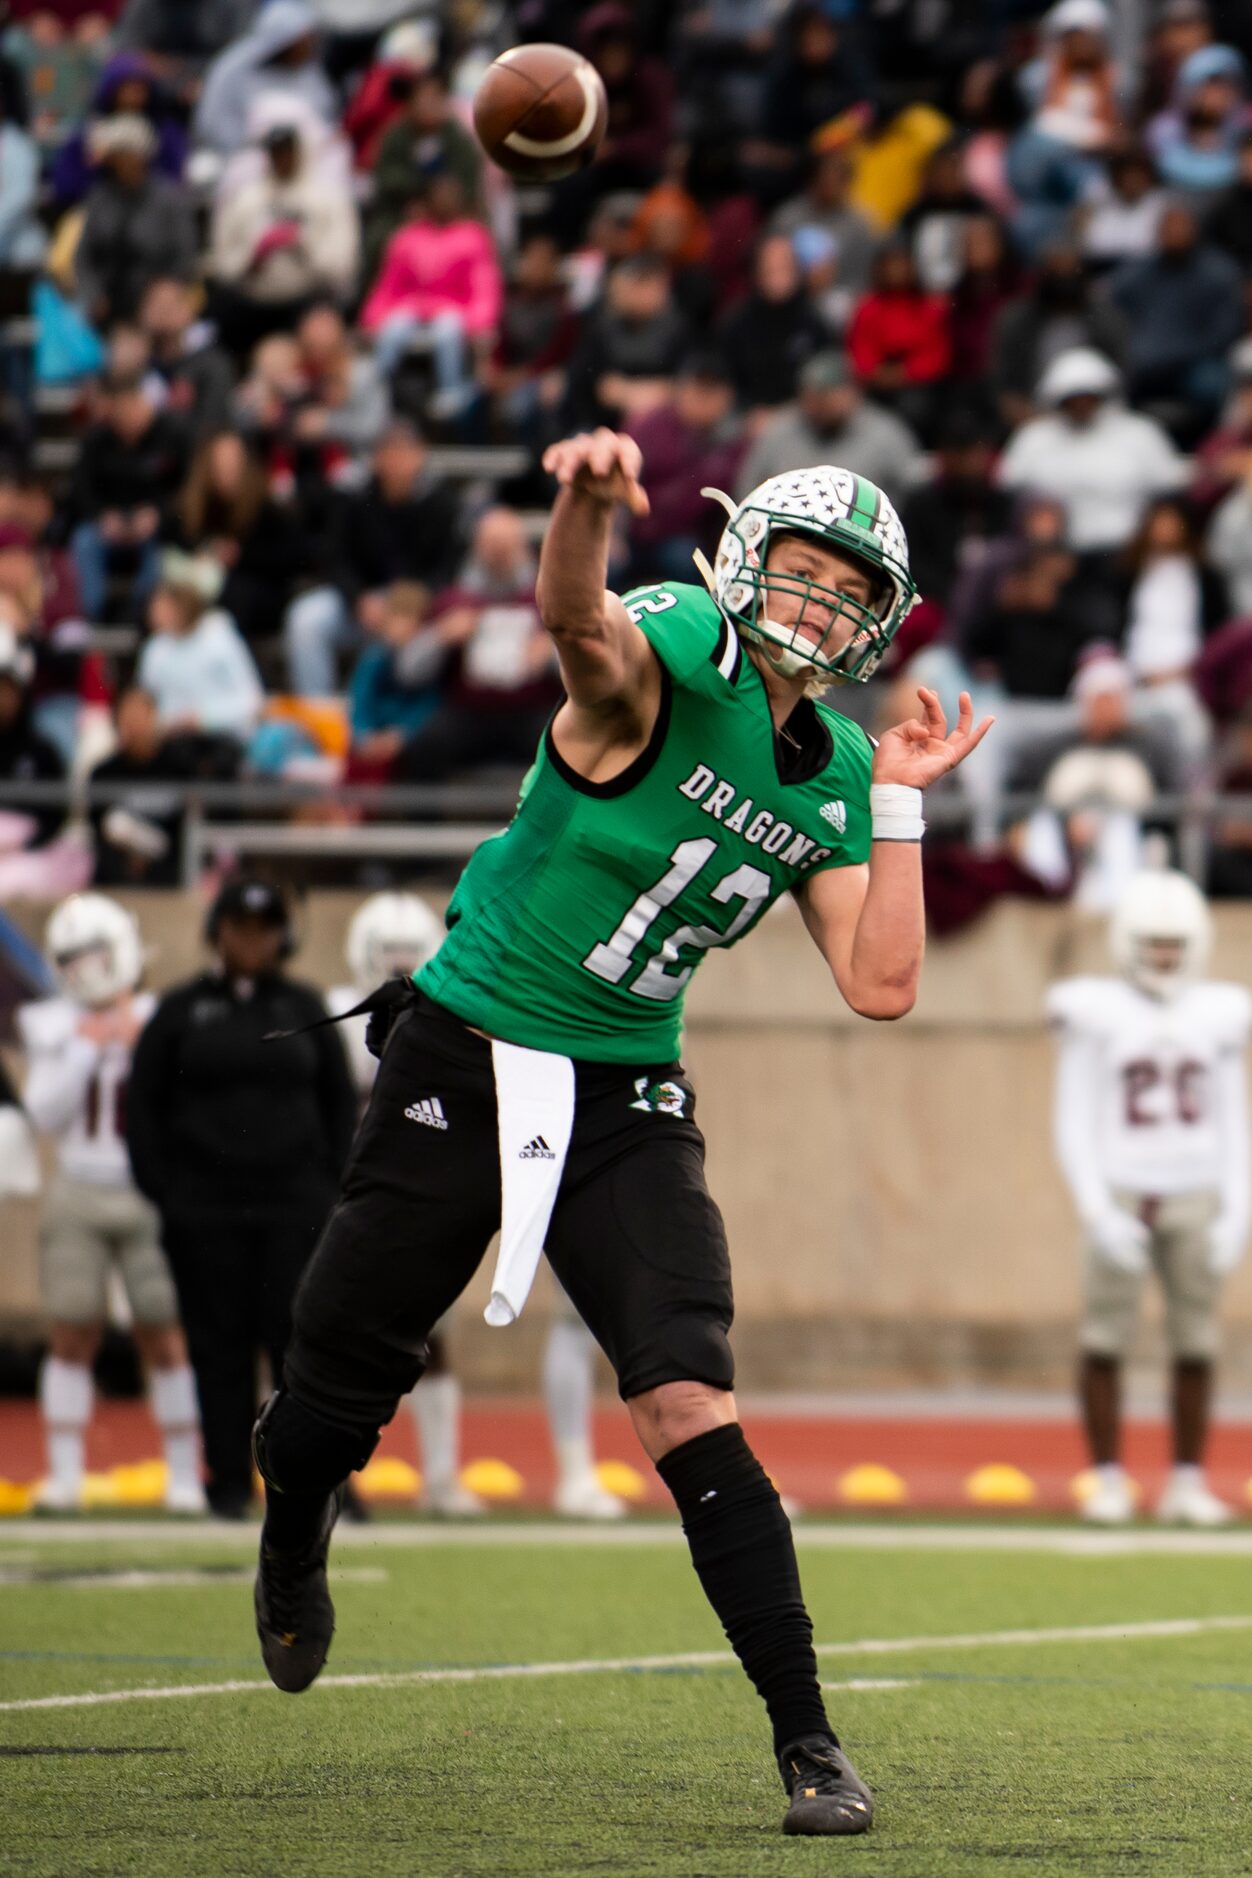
(1114, 1753)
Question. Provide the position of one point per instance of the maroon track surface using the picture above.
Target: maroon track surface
(806, 1455)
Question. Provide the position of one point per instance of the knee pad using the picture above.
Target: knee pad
(298, 1452)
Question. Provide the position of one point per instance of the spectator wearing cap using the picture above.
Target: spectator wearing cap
(125, 87)
(403, 56)
(691, 441)
(130, 466)
(771, 333)
(136, 225)
(1103, 462)
(281, 239)
(900, 339)
(137, 834)
(239, 1142)
(824, 203)
(1228, 224)
(501, 683)
(1184, 310)
(278, 53)
(403, 525)
(440, 283)
(425, 141)
(1224, 459)
(1099, 776)
(1121, 210)
(194, 664)
(1057, 313)
(631, 346)
(26, 756)
(832, 421)
(196, 375)
(1196, 142)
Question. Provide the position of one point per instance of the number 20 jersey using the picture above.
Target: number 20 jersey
(578, 928)
(1157, 1066)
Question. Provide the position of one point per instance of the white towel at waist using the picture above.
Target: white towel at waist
(535, 1114)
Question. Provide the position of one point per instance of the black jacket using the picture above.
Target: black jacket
(376, 541)
(220, 1123)
(115, 474)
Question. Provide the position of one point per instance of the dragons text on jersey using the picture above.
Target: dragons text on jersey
(578, 928)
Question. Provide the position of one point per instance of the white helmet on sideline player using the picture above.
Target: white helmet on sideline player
(94, 948)
(1161, 931)
(391, 935)
(844, 513)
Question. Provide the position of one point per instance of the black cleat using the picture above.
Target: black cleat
(295, 1618)
(827, 1793)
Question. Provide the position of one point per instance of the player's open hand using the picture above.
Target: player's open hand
(602, 464)
(922, 749)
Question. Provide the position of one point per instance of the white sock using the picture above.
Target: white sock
(1187, 1474)
(436, 1405)
(568, 1367)
(172, 1393)
(65, 1395)
(1111, 1473)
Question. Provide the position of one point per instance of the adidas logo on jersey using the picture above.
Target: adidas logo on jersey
(428, 1110)
(536, 1150)
(836, 813)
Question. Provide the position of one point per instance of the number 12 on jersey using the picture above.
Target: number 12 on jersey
(658, 979)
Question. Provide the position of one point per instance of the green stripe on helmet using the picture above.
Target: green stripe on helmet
(865, 502)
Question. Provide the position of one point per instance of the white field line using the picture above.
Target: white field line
(877, 1535)
(692, 1659)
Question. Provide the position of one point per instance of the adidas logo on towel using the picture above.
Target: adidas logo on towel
(427, 1109)
(536, 1150)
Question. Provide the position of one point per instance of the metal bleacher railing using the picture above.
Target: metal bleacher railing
(428, 823)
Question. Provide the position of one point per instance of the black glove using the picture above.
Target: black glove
(386, 1007)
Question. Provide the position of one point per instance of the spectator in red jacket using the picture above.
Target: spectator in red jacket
(690, 442)
(900, 340)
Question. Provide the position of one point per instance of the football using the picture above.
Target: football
(540, 112)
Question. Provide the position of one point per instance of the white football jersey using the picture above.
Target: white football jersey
(1156, 1063)
(76, 1090)
(364, 1067)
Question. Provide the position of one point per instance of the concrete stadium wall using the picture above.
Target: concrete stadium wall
(894, 1212)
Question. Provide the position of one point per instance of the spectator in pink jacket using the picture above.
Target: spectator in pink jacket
(440, 280)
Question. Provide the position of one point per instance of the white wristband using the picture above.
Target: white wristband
(895, 812)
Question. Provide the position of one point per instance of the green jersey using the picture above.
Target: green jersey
(578, 928)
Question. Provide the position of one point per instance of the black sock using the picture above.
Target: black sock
(302, 1459)
(742, 1550)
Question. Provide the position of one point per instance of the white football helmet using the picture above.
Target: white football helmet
(1161, 932)
(843, 512)
(391, 935)
(94, 949)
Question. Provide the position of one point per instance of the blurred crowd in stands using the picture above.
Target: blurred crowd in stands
(993, 256)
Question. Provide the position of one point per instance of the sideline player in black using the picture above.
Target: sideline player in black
(239, 1143)
(688, 780)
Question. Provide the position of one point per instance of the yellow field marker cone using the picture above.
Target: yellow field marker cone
(870, 1484)
(389, 1478)
(493, 1480)
(621, 1478)
(1000, 1484)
